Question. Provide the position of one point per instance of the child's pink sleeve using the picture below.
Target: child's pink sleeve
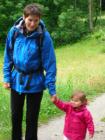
(89, 122)
(64, 106)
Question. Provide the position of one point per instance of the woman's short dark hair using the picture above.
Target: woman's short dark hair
(32, 9)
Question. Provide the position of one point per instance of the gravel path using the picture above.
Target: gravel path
(53, 130)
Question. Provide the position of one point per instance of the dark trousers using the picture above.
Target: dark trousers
(32, 112)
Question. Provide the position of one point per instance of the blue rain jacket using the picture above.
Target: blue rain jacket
(26, 57)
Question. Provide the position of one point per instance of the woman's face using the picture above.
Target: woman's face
(31, 22)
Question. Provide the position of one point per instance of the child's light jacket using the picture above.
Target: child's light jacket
(77, 121)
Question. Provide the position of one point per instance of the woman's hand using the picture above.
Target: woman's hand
(6, 85)
(53, 98)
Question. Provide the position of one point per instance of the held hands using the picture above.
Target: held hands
(6, 85)
(54, 98)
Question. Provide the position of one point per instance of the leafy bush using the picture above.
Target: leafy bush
(10, 11)
(100, 35)
(71, 27)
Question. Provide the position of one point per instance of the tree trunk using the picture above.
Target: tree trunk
(90, 4)
(100, 7)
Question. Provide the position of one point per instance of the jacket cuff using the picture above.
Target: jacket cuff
(52, 90)
(6, 80)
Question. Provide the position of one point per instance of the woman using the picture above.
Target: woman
(29, 52)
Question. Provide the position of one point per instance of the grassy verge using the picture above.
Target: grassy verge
(80, 66)
(103, 119)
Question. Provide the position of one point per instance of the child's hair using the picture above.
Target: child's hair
(32, 9)
(81, 96)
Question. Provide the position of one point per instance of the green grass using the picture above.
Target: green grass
(103, 119)
(80, 66)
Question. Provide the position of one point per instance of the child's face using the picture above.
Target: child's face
(31, 22)
(76, 102)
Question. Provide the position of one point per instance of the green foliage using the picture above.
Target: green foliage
(63, 19)
(100, 35)
(71, 26)
(10, 11)
(57, 2)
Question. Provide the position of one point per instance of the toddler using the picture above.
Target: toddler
(78, 118)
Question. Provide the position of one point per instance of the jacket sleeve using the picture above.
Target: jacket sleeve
(8, 60)
(49, 63)
(64, 106)
(89, 122)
